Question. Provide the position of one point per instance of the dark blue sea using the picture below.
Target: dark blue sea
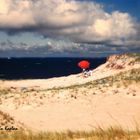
(42, 68)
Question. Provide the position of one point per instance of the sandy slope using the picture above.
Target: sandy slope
(83, 113)
(98, 73)
(79, 108)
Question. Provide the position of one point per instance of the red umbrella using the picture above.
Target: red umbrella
(84, 64)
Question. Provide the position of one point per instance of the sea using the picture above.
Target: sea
(42, 68)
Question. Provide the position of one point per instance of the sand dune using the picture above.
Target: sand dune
(77, 103)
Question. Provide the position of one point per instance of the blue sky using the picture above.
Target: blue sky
(91, 28)
(129, 6)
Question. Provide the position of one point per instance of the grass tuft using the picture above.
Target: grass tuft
(112, 133)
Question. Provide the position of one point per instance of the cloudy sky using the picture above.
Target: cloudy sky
(91, 28)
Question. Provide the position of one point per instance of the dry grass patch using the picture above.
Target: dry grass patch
(112, 133)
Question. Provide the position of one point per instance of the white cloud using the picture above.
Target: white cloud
(115, 25)
(15, 14)
(73, 20)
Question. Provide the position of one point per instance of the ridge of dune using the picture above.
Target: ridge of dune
(114, 65)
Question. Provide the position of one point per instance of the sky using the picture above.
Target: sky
(69, 28)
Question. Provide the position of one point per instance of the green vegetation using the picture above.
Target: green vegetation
(5, 118)
(4, 91)
(135, 55)
(112, 133)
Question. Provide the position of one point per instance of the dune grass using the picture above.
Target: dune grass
(112, 133)
(128, 76)
(134, 54)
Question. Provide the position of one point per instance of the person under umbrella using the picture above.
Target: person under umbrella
(84, 64)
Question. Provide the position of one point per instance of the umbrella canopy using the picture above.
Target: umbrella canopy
(84, 64)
